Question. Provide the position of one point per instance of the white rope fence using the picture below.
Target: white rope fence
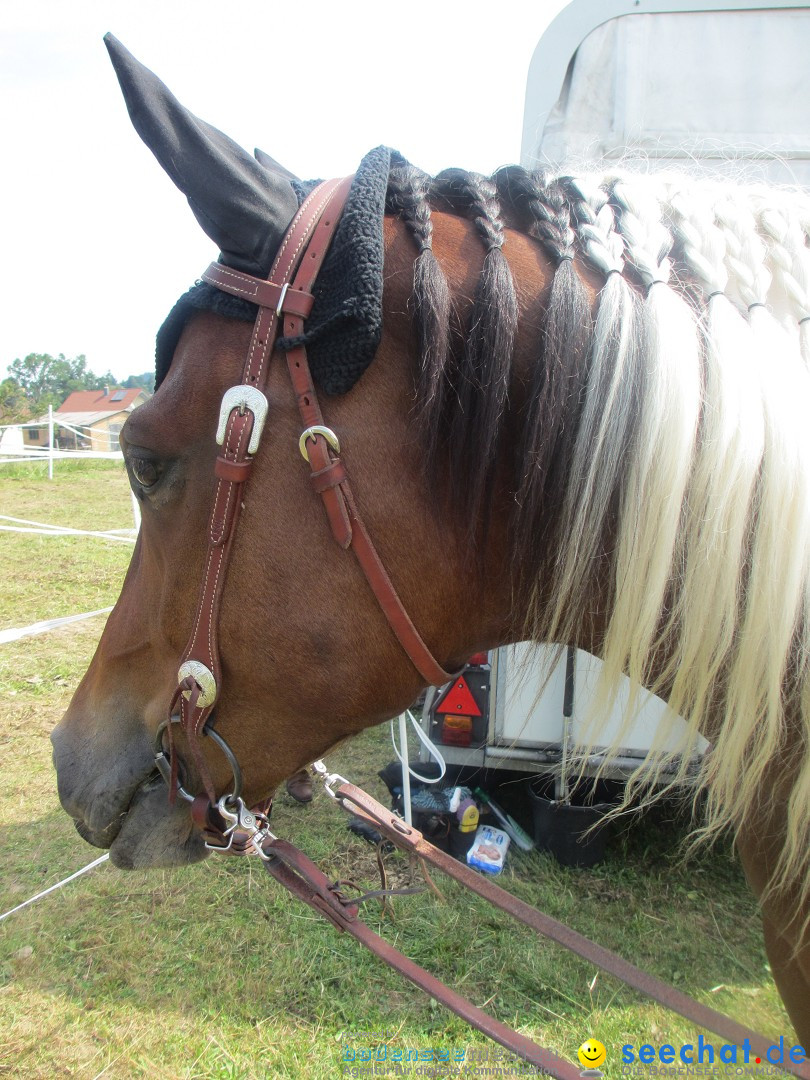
(59, 884)
(24, 525)
(14, 451)
(21, 525)
(39, 528)
(42, 627)
(84, 431)
(43, 453)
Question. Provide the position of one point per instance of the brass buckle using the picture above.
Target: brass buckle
(310, 433)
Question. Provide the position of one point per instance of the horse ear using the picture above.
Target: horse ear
(244, 206)
(273, 165)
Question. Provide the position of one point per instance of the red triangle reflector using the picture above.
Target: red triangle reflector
(458, 700)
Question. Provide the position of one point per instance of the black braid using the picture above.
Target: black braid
(407, 198)
(559, 379)
(580, 210)
(543, 207)
(482, 382)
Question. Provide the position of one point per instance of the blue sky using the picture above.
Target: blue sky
(97, 241)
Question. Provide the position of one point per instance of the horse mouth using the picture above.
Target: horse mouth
(149, 832)
(105, 837)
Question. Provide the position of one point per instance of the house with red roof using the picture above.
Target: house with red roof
(88, 419)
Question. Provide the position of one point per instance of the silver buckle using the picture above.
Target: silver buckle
(241, 398)
(203, 677)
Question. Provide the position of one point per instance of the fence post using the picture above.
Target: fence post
(136, 512)
(406, 769)
(50, 442)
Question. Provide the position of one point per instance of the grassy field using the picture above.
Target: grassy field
(211, 971)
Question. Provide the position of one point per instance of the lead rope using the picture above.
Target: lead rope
(300, 876)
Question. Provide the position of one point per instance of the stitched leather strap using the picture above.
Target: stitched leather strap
(238, 428)
(344, 517)
(360, 804)
(303, 879)
(328, 473)
(287, 293)
(265, 293)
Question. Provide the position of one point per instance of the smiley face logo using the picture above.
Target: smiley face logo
(592, 1054)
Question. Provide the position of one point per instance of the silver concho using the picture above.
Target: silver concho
(203, 677)
(243, 397)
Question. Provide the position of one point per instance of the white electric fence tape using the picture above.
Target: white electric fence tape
(22, 525)
(44, 453)
(17, 632)
(59, 884)
(430, 746)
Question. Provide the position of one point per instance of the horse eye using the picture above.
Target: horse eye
(145, 471)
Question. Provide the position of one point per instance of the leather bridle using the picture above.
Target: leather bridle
(284, 301)
(227, 824)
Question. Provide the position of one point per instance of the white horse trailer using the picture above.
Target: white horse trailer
(532, 711)
(718, 85)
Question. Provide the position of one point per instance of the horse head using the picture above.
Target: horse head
(307, 656)
(572, 409)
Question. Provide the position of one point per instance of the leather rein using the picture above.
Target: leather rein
(285, 300)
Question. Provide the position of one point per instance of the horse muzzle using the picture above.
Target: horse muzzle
(118, 800)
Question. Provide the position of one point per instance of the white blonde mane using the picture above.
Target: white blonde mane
(696, 424)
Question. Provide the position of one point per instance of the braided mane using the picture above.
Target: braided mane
(658, 466)
(667, 426)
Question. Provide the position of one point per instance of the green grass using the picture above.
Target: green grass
(213, 971)
(49, 576)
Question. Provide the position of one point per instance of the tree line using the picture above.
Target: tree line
(39, 380)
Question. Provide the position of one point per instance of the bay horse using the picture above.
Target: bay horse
(573, 408)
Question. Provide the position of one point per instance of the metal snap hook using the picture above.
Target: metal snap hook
(328, 778)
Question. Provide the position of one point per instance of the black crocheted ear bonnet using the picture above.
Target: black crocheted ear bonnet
(344, 329)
